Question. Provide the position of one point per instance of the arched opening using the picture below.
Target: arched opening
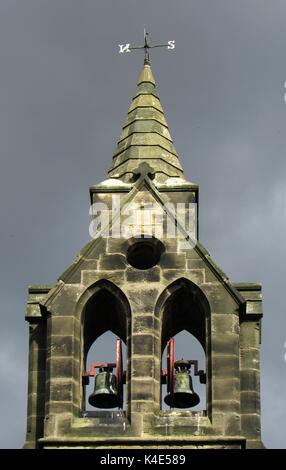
(103, 350)
(106, 318)
(185, 316)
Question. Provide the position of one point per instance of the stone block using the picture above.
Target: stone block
(212, 276)
(143, 367)
(65, 301)
(218, 421)
(144, 406)
(62, 346)
(142, 301)
(90, 277)
(249, 291)
(37, 381)
(226, 406)
(249, 380)
(195, 263)
(225, 344)
(61, 367)
(116, 245)
(112, 262)
(36, 403)
(62, 325)
(148, 422)
(250, 402)
(232, 424)
(250, 334)
(192, 254)
(219, 298)
(249, 358)
(77, 370)
(37, 359)
(223, 388)
(94, 248)
(143, 275)
(171, 275)
(50, 426)
(143, 345)
(254, 444)
(250, 425)
(33, 310)
(64, 421)
(137, 424)
(142, 389)
(84, 265)
(254, 307)
(35, 429)
(173, 261)
(60, 390)
(225, 365)
(224, 324)
(197, 276)
(56, 407)
(142, 323)
(157, 348)
(171, 244)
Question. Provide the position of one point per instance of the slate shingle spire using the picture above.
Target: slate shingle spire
(145, 135)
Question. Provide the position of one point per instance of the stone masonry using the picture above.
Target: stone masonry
(184, 290)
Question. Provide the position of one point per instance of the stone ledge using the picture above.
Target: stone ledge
(126, 442)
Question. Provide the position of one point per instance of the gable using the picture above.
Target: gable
(105, 257)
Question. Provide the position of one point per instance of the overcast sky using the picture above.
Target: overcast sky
(64, 94)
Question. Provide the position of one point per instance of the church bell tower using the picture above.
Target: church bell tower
(145, 277)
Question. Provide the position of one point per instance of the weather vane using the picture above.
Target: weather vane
(127, 48)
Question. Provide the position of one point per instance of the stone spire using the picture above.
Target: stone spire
(145, 136)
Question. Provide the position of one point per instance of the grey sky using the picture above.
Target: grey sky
(64, 94)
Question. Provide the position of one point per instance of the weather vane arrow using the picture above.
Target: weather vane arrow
(127, 47)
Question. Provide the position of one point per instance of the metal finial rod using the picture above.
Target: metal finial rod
(146, 47)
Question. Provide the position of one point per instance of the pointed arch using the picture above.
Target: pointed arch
(104, 307)
(183, 306)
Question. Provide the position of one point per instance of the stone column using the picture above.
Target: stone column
(36, 383)
(250, 382)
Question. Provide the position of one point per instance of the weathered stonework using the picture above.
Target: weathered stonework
(101, 291)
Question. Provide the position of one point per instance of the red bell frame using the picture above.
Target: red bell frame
(119, 373)
(168, 375)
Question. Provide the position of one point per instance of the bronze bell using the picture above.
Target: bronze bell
(105, 389)
(183, 395)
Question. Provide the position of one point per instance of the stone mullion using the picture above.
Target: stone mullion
(225, 387)
(61, 363)
(144, 385)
